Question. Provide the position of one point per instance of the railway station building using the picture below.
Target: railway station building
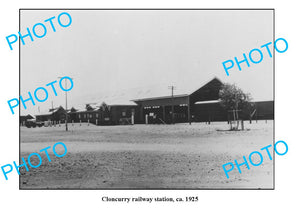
(199, 105)
(185, 107)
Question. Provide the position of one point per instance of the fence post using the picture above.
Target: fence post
(132, 118)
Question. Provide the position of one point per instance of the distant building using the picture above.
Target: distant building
(264, 110)
(23, 119)
(104, 114)
(55, 114)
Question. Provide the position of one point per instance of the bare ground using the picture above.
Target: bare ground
(179, 156)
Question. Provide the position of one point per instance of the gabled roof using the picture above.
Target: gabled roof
(56, 109)
(205, 83)
(44, 114)
(163, 97)
(50, 111)
(28, 116)
(182, 92)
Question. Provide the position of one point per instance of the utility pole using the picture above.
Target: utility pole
(66, 103)
(172, 94)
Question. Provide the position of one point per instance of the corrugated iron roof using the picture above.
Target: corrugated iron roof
(127, 96)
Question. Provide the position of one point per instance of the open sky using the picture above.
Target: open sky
(115, 51)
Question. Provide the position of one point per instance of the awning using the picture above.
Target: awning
(207, 102)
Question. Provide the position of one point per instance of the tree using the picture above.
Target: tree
(104, 107)
(236, 102)
(88, 107)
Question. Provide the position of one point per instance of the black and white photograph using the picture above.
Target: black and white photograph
(147, 99)
(149, 108)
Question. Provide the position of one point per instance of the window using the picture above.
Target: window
(79, 116)
(97, 115)
(124, 113)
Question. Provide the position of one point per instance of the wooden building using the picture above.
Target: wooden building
(23, 119)
(264, 110)
(200, 105)
(212, 111)
(104, 114)
(56, 114)
(178, 108)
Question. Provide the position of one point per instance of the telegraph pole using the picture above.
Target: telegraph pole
(172, 95)
(66, 103)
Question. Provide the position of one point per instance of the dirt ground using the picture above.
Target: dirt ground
(179, 156)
